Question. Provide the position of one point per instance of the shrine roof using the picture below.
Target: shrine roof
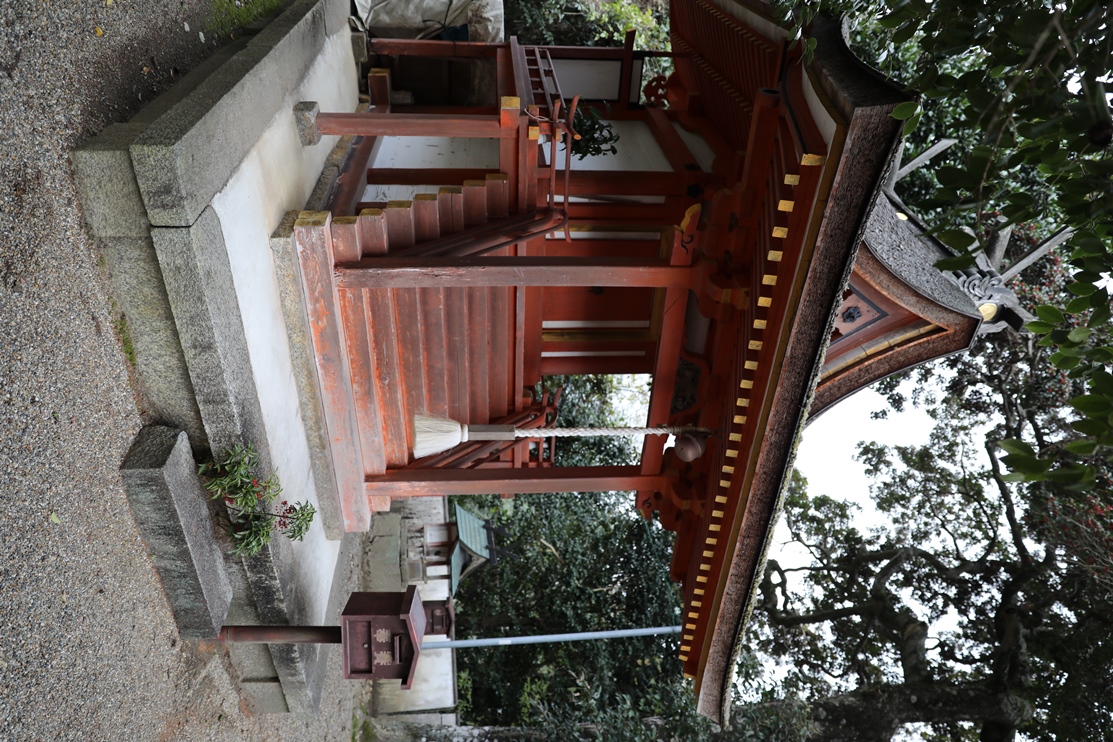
(904, 247)
(779, 359)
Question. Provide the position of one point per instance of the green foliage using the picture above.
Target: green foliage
(230, 15)
(1021, 86)
(597, 137)
(588, 23)
(234, 478)
(992, 570)
(581, 563)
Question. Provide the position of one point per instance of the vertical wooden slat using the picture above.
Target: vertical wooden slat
(519, 359)
(364, 390)
(432, 350)
(407, 316)
(313, 238)
(456, 353)
(388, 376)
(479, 354)
(500, 369)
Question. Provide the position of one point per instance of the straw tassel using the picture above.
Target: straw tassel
(433, 435)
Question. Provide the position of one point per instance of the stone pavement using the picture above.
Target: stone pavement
(89, 648)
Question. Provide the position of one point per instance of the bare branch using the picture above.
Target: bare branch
(1010, 506)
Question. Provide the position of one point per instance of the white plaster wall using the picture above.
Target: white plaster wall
(434, 686)
(275, 177)
(427, 153)
(698, 146)
(591, 79)
(824, 119)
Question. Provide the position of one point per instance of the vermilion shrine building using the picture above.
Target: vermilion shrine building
(735, 248)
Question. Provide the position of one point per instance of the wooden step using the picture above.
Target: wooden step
(372, 229)
(450, 203)
(346, 239)
(313, 237)
(498, 196)
(399, 224)
(475, 202)
(427, 221)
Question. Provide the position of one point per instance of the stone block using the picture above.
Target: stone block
(288, 275)
(305, 119)
(359, 47)
(188, 154)
(106, 184)
(160, 366)
(194, 263)
(264, 696)
(171, 509)
(296, 36)
(383, 547)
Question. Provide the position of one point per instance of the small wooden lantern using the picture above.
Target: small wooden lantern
(382, 635)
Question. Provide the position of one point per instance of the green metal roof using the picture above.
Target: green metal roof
(471, 550)
(471, 533)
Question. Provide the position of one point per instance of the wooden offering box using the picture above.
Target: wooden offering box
(382, 635)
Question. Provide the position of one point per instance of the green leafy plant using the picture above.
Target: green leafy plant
(230, 15)
(597, 137)
(253, 516)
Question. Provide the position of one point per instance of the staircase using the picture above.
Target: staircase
(384, 354)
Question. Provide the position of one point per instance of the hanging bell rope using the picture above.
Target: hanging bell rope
(433, 435)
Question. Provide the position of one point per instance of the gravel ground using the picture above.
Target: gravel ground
(88, 647)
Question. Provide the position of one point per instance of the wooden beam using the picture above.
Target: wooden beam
(512, 271)
(606, 183)
(313, 237)
(426, 48)
(349, 184)
(627, 73)
(523, 88)
(438, 482)
(426, 175)
(671, 143)
(412, 125)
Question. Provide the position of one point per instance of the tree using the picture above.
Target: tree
(1023, 84)
(581, 562)
(982, 608)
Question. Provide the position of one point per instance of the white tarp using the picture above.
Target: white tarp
(421, 19)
